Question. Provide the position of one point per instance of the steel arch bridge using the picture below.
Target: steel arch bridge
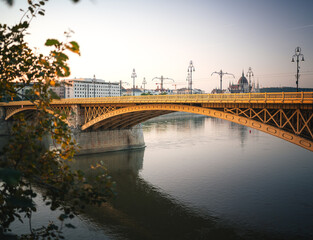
(288, 116)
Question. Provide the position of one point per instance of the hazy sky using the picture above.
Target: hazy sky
(161, 37)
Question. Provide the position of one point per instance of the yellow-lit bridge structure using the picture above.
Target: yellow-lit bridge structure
(288, 116)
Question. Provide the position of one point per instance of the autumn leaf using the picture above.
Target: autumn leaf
(51, 42)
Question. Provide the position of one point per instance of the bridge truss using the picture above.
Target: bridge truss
(285, 115)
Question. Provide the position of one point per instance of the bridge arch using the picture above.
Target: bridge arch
(132, 115)
(33, 109)
(18, 110)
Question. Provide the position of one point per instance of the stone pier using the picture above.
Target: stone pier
(109, 140)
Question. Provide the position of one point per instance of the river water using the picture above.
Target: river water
(202, 178)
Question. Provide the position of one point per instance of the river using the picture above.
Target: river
(202, 178)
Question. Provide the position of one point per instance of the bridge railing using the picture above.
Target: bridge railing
(282, 97)
(279, 97)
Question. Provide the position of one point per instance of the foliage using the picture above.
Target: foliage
(145, 94)
(10, 2)
(26, 166)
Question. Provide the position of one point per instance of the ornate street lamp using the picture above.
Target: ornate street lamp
(144, 82)
(297, 55)
(191, 69)
(250, 74)
(134, 75)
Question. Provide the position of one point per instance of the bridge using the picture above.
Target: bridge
(288, 116)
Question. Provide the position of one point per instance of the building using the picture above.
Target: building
(218, 91)
(87, 88)
(25, 92)
(197, 91)
(284, 89)
(241, 87)
(133, 92)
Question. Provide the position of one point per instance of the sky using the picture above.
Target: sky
(160, 38)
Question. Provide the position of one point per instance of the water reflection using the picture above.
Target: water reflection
(181, 122)
(235, 130)
(143, 211)
(195, 168)
(195, 174)
(254, 180)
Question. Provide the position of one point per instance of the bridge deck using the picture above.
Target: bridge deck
(275, 98)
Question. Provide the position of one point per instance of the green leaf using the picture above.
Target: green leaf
(68, 225)
(10, 176)
(51, 42)
(20, 202)
(73, 47)
(31, 9)
(62, 217)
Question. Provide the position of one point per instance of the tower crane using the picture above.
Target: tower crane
(221, 73)
(162, 80)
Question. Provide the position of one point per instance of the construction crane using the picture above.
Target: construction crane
(162, 80)
(221, 73)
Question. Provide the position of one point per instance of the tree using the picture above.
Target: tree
(25, 164)
(11, 2)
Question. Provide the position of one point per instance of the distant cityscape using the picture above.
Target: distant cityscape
(93, 88)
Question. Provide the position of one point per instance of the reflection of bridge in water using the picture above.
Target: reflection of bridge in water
(142, 211)
(285, 115)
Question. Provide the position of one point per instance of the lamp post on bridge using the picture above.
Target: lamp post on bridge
(297, 55)
(250, 74)
(144, 82)
(190, 69)
(134, 75)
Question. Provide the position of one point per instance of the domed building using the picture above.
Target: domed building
(241, 87)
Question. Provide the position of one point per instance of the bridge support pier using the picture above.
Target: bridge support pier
(109, 140)
(5, 127)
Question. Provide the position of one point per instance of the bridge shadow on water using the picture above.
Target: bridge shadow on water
(143, 211)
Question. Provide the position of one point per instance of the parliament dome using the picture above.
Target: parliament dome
(242, 80)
